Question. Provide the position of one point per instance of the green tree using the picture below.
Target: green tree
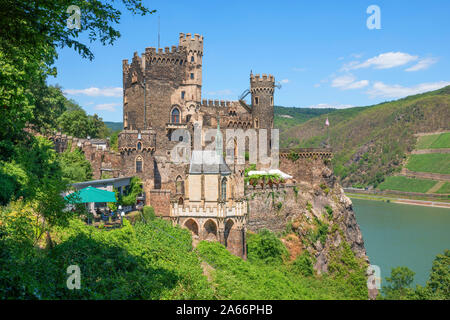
(439, 282)
(133, 190)
(78, 124)
(75, 166)
(399, 284)
(74, 123)
(114, 141)
(30, 32)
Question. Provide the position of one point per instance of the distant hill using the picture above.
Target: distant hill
(114, 126)
(286, 118)
(371, 142)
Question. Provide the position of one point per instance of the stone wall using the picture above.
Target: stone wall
(160, 201)
(265, 209)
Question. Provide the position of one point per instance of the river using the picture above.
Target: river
(403, 235)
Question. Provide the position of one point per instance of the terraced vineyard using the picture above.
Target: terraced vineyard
(432, 159)
(431, 162)
(435, 141)
(445, 189)
(400, 183)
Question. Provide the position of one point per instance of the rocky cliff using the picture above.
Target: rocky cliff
(313, 214)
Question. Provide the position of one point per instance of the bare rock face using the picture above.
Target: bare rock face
(315, 208)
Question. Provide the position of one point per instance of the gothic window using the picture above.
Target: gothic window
(179, 184)
(182, 95)
(223, 194)
(192, 59)
(138, 164)
(192, 76)
(139, 146)
(175, 116)
(256, 100)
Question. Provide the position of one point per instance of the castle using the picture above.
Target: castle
(162, 92)
(162, 97)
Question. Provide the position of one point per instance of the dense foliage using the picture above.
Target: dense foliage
(75, 166)
(147, 261)
(265, 247)
(77, 123)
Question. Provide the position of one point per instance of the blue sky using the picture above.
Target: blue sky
(322, 52)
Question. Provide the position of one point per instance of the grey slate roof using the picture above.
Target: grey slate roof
(208, 162)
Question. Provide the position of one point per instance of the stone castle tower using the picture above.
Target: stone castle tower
(262, 90)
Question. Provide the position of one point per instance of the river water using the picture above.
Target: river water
(403, 235)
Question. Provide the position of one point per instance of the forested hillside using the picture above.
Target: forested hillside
(371, 142)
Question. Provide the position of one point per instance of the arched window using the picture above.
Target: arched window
(223, 193)
(139, 146)
(175, 116)
(179, 184)
(138, 164)
(192, 59)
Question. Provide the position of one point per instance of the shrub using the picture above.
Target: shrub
(293, 156)
(303, 264)
(329, 211)
(265, 247)
(148, 213)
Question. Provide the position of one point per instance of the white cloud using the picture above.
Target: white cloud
(284, 81)
(356, 55)
(383, 61)
(96, 92)
(327, 105)
(422, 64)
(348, 82)
(379, 89)
(225, 92)
(349, 66)
(107, 107)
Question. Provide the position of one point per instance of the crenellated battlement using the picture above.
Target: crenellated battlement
(217, 103)
(192, 44)
(256, 78)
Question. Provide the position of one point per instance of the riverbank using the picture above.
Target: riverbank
(393, 199)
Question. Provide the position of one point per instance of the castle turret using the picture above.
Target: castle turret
(194, 50)
(262, 89)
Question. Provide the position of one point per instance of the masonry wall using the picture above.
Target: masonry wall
(265, 210)
(160, 201)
